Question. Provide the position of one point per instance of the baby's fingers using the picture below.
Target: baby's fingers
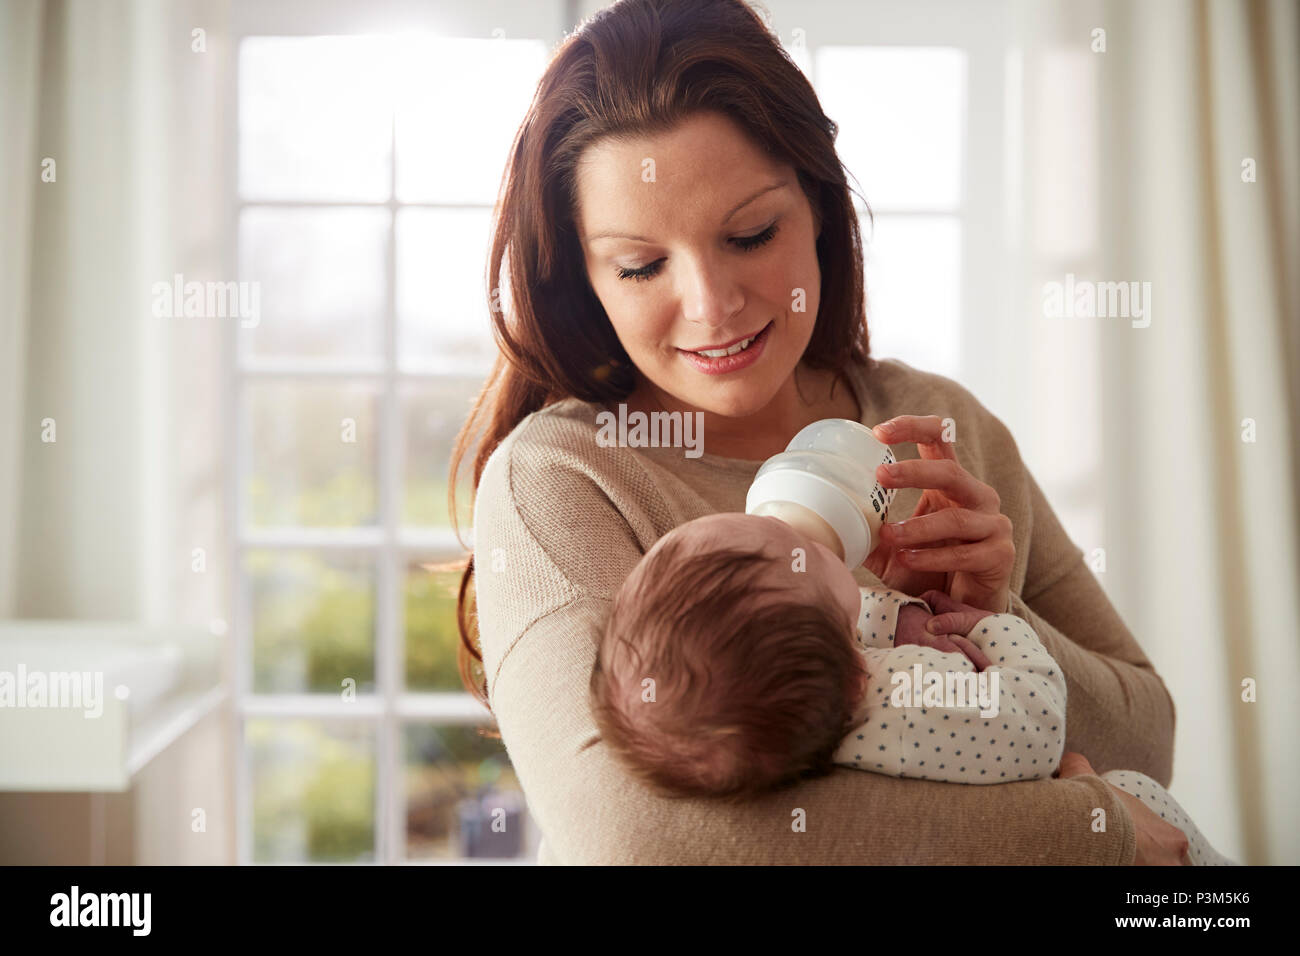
(955, 622)
(941, 601)
(971, 650)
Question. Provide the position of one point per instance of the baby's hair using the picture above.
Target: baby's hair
(745, 698)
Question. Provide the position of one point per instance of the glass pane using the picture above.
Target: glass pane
(432, 415)
(322, 280)
(432, 639)
(442, 304)
(901, 121)
(312, 454)
(462, 797)
(459, 103)
(313, 621)
(313, 792)
(315, 118)
(913, 266)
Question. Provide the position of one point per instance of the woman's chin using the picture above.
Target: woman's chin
(739, 399)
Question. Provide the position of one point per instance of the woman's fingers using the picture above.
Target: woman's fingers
(988, 556)
(960, 523)
(945, 475)
(1074, 765)
(941, 601)
(925, 430)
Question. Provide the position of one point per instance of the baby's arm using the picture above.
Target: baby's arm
(879, 613)
(892, 618)
(916, 729)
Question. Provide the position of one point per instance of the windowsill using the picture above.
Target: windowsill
(171, 677)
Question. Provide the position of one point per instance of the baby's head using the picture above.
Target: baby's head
(749, 647)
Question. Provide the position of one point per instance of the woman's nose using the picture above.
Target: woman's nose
(711, 295)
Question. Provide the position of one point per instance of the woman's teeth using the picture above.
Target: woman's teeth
(721, 353)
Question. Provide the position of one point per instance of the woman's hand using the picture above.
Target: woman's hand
(956, 541)
(1159, 842)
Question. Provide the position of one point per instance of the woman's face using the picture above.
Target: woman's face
(688, 246)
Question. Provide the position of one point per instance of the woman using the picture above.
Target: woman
(674, 190)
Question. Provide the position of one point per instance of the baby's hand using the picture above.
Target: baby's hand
(954, 617)
(910, 629)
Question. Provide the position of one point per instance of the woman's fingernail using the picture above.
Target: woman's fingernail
(932, 626)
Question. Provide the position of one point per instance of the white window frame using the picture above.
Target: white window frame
(393, 547)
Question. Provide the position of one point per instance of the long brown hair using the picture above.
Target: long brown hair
(637, 67)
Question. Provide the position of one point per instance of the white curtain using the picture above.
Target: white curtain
(20, 25)
(1173, 153)
(113, 178)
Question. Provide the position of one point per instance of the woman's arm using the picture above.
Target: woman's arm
(592, 812)
(1121, 715)
(550, 548)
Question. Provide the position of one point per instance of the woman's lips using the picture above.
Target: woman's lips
(730, 363)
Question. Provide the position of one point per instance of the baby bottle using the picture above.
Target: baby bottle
(824, 484)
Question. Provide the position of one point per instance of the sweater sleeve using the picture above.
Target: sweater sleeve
(1121, 715)
(1112, 686)
(550, 547)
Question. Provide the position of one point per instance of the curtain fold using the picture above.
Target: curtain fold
(115, 177)
(1199, 165)
(20, 48)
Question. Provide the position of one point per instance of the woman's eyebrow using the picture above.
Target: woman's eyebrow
(725, 219)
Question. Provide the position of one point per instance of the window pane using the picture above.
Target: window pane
(322, 280)
(315, 118)
(459, 103)
(900, 116)
(313, 792)
(313, 621)
(462, 797)
(914, 290)
(312, 454)
(432, 638)
(432, 415)
(442, 305)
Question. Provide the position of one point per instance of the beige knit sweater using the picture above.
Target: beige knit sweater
(559, 522)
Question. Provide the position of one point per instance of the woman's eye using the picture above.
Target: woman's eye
(645, 272)
(747, 243)
(754, 241)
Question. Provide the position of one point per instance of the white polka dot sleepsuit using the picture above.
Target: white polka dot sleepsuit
(929, 714)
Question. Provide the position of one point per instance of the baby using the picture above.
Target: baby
(740, 654)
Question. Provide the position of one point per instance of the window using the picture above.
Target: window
(914, 100)
(977, 154)
(364, 196)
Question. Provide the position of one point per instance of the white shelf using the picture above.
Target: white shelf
(117, 696)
